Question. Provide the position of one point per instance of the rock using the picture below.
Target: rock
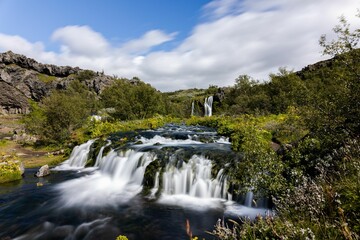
(22, 169)
(23, 79)
(43, 171)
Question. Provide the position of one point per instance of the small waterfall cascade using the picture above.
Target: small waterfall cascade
(156, 185)
(194, 179)
(192, 108)
(208, 106)
(249, 199)
(78, 157)
(128, 166)
(100, 155)
(118, 179)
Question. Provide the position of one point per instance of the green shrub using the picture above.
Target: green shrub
(9, 171)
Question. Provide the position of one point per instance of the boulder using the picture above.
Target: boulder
(43, 171)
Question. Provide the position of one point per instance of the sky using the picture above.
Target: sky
(174, 44)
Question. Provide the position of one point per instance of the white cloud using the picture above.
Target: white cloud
(238, 37)
(81, 40)
(147, 41)
(254, 39)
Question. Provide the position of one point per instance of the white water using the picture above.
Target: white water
(192, 185)
(100, 155)
(155, 189)
(78, 157)
(208, 106)
(192, 108)
(118, 179)
(194, 179)
(249, 199)
(166, 141)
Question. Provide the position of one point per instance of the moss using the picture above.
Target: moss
(85, 75)
(9, 171)
(46, 78)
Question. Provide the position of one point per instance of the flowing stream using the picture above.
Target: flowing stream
(147, 188)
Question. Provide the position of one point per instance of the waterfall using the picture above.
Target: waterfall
(128, 166)
(249, 199)
(192, 108)
(118, 176)
(118, 180)
(78, 157)
(208, 106)
(155, 189)
(100, 155)
(194, 179)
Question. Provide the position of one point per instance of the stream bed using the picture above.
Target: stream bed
(144, 185)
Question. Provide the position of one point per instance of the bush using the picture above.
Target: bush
(9, 171)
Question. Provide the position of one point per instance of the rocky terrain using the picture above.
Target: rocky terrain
(23, 79)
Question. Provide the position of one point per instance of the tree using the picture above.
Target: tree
(59, 114)
(135, 100)
(346, 40)
(287, 89)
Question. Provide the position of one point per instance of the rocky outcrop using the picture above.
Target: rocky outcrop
(30, 64)
(23, 79)
(43, 171)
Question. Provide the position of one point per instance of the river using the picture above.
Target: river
(143, 185)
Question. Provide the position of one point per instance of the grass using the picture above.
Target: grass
(39, 161)
(46, 78)
(13, 120)
(30, 157)
(9, 171)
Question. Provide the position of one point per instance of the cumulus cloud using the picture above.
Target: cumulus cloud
(235, 37)
(147, 41)
(247, 37)
(81, 40)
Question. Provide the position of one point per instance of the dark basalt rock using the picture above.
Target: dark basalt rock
(23, 79)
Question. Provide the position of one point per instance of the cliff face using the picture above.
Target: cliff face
(23, 79)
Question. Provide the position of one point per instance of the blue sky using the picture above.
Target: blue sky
(118, 21)
(173, 44)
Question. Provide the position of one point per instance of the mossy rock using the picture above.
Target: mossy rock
(10, 171)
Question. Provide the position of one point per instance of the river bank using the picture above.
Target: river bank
(16, 149)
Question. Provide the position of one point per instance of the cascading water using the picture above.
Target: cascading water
(78, 157)
(249, 199)
(100, 155)
(127, 189)
(194, 179)
(118, 179)
(208, 106)
(192, 108)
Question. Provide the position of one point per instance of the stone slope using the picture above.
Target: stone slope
(23, 79)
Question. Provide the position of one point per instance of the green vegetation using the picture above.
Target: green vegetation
(84, 75)
(46, 78)
(298, 133)
(319, 198)
(133, 100)
(9, 171)
(95, 129)
(55, 119)
(121, 237)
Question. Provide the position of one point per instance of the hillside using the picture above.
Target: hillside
(23, 79)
